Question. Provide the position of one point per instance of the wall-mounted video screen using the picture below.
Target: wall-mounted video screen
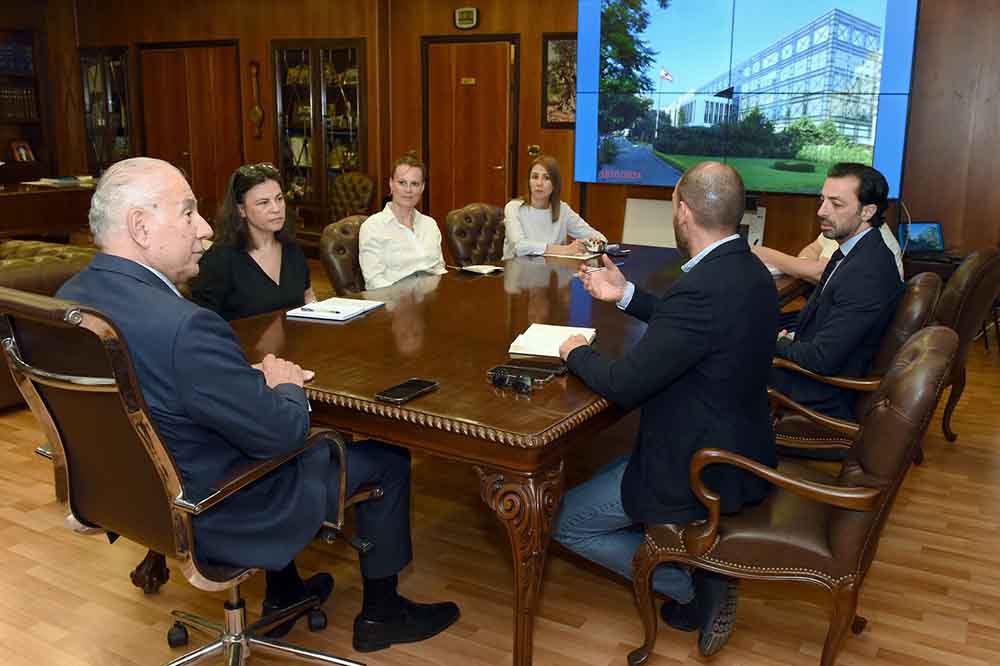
(780, 90)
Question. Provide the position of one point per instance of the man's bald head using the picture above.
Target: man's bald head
(714, 192)
(131, 183)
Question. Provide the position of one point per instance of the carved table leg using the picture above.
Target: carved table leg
(151, 573)
(526, 505)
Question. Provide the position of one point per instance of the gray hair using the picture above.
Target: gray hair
(131, 183)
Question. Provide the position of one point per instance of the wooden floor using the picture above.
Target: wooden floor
(932, 597)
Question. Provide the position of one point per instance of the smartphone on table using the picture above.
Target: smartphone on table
(406, 391)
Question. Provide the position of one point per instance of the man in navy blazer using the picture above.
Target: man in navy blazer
(700, 375)
(215, 412)
(841, 326)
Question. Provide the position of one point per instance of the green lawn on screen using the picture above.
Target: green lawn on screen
(757, 173)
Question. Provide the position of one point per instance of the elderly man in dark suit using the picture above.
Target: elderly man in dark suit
(215, 412)
(841, 326)
(700, 375)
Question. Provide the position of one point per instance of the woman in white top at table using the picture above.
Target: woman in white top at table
(400, 241)
(540, 221)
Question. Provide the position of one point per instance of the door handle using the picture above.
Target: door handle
(498, 167)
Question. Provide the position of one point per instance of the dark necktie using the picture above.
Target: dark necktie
(830, 265)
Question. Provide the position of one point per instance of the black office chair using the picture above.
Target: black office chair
(70, 363)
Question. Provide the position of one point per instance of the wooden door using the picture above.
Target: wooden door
(191, 115)
(469, 124)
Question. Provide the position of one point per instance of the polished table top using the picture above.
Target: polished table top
(452, 329)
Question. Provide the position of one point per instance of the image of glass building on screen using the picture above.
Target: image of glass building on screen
(778, 90)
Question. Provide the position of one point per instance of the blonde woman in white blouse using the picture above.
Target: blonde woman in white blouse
(540, 221)
(400, 240)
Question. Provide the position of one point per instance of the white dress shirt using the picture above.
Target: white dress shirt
(389, 251)
(530, 230)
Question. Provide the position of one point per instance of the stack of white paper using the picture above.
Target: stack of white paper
(335, 309)
(584, 257)
(544, 339)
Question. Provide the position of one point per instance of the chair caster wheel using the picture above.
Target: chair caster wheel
(317, 619)
(858, 625)
(177, 635)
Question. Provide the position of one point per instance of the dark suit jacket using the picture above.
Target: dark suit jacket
(841, 327)
(700, 373)
(214, 412)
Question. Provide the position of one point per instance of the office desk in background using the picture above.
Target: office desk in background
(28, 211)
(452, 329)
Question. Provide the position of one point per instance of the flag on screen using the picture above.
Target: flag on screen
(665, 75)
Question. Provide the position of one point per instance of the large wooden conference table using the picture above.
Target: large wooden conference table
(452, 329)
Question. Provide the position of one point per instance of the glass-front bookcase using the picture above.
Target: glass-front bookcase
(320, 121)
(106, 109)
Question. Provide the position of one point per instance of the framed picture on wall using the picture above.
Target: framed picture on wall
(559, 79)
(21, 151)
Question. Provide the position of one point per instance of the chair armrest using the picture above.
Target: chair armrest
(852, 383)
(839, 426)
(250, 473)
(700, 537)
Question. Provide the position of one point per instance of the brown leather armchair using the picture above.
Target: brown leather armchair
(964, 305)
(800, 428)
(338, 251)
(475, 234)
(351, 194)
(812, 528)
(40, 268)
(122, 480)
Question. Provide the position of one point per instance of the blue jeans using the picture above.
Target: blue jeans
(593, 524)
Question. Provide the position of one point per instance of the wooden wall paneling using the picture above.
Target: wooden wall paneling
(790, 223)
(409, 21)
(69, 134)
(951, 167)
(253, 25)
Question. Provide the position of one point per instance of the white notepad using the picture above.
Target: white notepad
(482, 269)
(544, 339)
(581, 257)
(334, 309)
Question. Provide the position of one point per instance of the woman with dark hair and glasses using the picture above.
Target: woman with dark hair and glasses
(539, 221)
(255, 265)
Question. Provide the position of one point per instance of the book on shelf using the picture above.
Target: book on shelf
(334, 309)
(545, 339)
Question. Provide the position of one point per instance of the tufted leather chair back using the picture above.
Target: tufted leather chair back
(40, 268)
(351, 194)
(966, 300)
(914, 310)
(891, 432)
(475, 234)
(338, 251)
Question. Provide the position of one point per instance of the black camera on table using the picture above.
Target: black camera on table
(506, 378)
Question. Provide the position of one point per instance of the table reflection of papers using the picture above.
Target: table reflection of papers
(405, 300)
(524, 273)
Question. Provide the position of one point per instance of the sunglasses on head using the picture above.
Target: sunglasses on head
(259, 169)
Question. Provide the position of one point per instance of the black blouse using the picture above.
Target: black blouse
(231, 283)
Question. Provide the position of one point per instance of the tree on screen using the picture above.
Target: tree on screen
(624, 59)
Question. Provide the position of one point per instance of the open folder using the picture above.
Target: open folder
(334, 309)
(545, 339)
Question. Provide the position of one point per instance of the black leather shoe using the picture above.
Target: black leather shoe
(416, 623)
(717, 598)
(683, 617)
(320, 586)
